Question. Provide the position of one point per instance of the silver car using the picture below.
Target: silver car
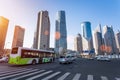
(65, 59)
(103, 59)
(4, 59)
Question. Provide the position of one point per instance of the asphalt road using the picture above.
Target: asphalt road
(80, 69)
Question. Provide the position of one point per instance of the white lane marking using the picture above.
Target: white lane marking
(64, 76)
(76, 77)
(42, 74)
(50, 76)
(104, 78)
(90, 77)
(27, 75)
(5, 77)
(117, 78)
(13, 72)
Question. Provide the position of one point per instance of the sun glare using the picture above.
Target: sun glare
(57, 35)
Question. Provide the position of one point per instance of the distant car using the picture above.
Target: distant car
(65, 59)
(4, 59)
(73, 58)
(91, 58)
(103, 59)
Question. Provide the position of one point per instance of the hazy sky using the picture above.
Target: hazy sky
(24, 13)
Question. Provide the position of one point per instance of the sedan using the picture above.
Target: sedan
(103, 59)
(65, 59)
(4, 59)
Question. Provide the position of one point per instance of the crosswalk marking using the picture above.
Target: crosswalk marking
(117, 78)
(13, 72)
(77, 76)
(64, 76)
(34, 77)
(26, 75)
(104, 78)
(90, 77)
(52, 75)
(30, 73)
(17, 74)
(7, 71)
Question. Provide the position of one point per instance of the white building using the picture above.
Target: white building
(98, 41)
(78, 43)
(118, 41)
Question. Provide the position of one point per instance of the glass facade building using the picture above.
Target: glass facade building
(87, 41)
(61, 32)
(86, 30)
(109, 39)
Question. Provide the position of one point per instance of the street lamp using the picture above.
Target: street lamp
(5, 48)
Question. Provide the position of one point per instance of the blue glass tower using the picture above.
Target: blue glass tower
(86, 30)
(87, 36)
(61, 32)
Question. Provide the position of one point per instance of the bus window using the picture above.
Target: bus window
(44, 55)
(39, 55)
(14, 50)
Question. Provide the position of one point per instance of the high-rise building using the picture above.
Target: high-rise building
(42, 34)
(118, 41)
(18, 37)
(109, 40)
(3, 31)
(78, 43)
(87, 40)
(61, 32)
(98, 40)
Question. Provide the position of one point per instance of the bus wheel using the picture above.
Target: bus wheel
(34, 62)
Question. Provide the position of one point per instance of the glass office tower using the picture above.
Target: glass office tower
(61, 32)
(87, 41)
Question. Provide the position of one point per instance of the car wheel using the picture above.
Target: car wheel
(34, 62)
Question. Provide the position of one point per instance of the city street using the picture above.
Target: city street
(80, 69)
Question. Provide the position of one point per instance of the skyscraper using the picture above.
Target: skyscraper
(87, 40)
(3, 31)
(98, 41)
(61, 32)
(118, 41)
(78, 43)
(42, 34)
(109, 40)
(18, 37)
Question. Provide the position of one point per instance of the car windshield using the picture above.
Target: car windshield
(62, 56)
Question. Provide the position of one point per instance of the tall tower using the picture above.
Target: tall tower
(87, 41)
(3, 31)
(42, 34)
(109, 39)
(118, 41)
(78, 43)
(18, 37)
(61, 32)
(98, 40)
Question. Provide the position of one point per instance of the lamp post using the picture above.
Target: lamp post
(5, 48)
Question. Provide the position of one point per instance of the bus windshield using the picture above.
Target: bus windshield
(14, 50)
